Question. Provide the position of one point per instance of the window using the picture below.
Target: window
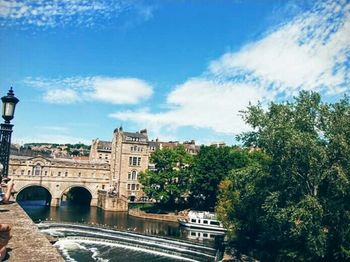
(205, 235)
(129, 176)
(37, 170)
(134, 175)
(205, 221)
(193, 233)
(137, 187)
(28, 172)
(22, 172)
(193, 220)
(128, 186)
(133, 187)
(45, 173)
(79, 174)
(66, 174)
(215, 223)
(103, 186)
(59, 173)
(134, 161)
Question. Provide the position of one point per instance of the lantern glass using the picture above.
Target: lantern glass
(8, 109)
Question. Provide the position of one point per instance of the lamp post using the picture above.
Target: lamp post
(8, 110)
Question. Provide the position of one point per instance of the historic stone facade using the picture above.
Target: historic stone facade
(130, 156)
(58, 176)
(111, 174)
(100, 151)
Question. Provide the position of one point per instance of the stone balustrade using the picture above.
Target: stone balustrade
(27, 243)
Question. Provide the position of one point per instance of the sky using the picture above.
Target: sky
(182, 69)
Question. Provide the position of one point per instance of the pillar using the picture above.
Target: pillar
(56, 202)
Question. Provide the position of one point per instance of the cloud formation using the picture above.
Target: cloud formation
(98, 88)
(309, 52)
(53, 13)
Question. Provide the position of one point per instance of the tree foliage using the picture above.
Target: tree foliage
(210, 166)
(296, 205)
(168, 182)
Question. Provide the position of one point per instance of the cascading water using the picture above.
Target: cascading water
(78, 242)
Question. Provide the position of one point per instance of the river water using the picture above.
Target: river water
(91, 234)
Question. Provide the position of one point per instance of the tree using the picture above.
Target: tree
(296, 205)
(168, 183)
(210, 166)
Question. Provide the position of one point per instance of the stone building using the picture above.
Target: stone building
(111, 174)
(130, 156)
(100, 150)
(58, 176)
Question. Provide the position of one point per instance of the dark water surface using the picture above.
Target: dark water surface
(87, 245)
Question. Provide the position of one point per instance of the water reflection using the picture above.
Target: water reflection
(93, 215)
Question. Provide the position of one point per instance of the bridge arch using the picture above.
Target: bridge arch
(39, 192)
(77, 194)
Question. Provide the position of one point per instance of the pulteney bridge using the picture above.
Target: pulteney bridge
(57, 177)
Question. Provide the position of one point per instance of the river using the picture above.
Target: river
(91, 234)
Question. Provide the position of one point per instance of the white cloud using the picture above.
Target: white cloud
(310, 52)
(200, 103)
(105, 89)
(120, 90)
(61, 96)
(52, 13)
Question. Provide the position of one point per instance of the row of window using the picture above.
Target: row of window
(134, 161)
(205, 222)
(38, 173)
(133, 187)
(136, 149)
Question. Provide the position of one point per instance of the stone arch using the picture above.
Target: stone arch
(49, 193)
(70, 187)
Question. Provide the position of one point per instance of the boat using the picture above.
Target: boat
(203, 220)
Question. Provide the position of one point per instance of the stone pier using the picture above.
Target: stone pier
(27, 243)
(112, 203)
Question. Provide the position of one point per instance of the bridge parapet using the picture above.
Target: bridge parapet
(27, 243)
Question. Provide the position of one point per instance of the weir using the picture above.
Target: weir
(176, 249)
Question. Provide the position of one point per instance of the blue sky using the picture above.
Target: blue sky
(181, 69)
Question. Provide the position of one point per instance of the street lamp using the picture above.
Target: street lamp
(8, 110)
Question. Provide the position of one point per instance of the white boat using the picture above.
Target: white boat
(203, 220)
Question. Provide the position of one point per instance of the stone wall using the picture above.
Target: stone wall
(28, 243)
(111, 203)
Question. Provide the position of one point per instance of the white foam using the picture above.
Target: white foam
(85, 241)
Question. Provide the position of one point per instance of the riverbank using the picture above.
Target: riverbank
(170, 217)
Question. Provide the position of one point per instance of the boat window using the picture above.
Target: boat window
(199, 221)
(193, 220)
(205, 221)
(205, 235)
(214, 223)
(193, 233)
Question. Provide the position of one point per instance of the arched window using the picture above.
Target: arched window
(134, 175)
(37, 170)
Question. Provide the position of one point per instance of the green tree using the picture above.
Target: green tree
(295, 206)
(210, 166)
(168, 183)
